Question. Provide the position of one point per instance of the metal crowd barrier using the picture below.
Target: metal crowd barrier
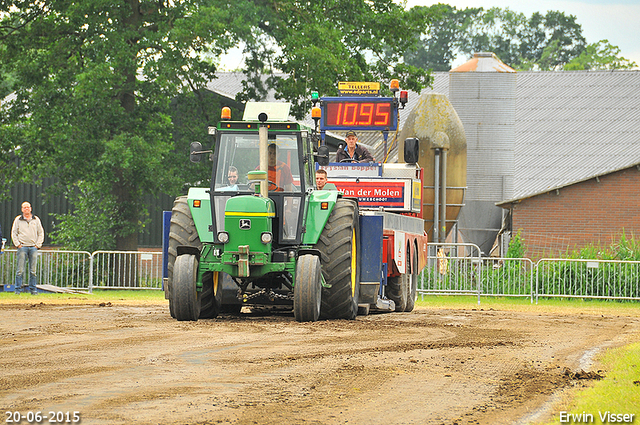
(458, 269)
(452, 269)
(84, 270)
(579, 278)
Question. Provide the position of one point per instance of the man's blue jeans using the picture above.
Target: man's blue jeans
(23, 253)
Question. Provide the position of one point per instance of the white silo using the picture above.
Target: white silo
(483, 92)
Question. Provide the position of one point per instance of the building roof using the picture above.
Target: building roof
(570, 126)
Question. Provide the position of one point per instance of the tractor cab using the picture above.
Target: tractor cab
(237, 156)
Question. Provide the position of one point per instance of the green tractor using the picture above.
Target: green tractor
(261, 234)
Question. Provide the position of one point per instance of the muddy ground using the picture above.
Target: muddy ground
(133, 364)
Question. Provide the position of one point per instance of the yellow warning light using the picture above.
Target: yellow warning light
(226, 113)
(394, 85)
(315, 112)
(196, 203)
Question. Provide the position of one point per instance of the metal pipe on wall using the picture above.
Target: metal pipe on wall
(436, 194)
(443, 196)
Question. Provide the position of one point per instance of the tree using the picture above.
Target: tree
(308, 46)
(439, 47)
(94, 82)
(600, 55)
(539, 42)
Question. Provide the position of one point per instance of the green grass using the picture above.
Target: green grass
(98, 295)
(618, 393)
(545, 305)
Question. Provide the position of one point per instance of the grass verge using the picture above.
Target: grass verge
(114, 296)
(523, 304)
(618, 394)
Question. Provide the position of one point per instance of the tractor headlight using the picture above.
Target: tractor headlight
(266, 237)
(223, 237)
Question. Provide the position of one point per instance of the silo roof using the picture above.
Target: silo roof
(484, 62)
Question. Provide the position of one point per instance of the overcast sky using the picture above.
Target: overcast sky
(613, 20)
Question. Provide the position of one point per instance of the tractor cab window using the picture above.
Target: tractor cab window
(239, 153)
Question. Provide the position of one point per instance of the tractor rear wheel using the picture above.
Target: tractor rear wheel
(211, 297)
(182, 231)
(339, 244)
(185, 295)
(308, 289)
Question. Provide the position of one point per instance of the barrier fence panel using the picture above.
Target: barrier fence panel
(65, 269)
(513, 277)
(126, 269)
(452, 269)
(609, 279)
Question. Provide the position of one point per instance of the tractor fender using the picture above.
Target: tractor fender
(320, 205)
(185, 249)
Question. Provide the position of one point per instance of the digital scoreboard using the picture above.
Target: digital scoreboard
(359, 113)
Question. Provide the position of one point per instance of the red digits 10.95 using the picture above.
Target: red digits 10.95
(358, 114)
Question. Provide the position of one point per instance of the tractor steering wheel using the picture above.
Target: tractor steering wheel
(277, 188)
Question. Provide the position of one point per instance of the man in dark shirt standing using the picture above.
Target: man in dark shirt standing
(353, 152)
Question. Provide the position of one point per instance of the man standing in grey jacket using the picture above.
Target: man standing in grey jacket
(28, 236)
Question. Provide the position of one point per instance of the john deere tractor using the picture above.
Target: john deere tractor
(268, 237)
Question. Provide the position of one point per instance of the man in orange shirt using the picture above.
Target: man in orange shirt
(280, 178)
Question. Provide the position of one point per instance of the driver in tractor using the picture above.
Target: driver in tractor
(279, 172)
(353, 152)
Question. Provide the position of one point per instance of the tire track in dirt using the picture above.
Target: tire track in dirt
(123, 364)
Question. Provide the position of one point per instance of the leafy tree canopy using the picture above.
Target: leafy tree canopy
(539, 42)
(94, 81)
(308, 46)
(600, 55)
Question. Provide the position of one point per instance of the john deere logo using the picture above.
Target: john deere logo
(245, 224)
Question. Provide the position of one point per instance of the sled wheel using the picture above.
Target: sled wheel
(397, 291)
(412, 294)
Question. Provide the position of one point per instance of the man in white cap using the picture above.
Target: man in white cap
(353, 152)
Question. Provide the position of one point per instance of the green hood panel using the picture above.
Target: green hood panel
(316, 216)
(202, 214)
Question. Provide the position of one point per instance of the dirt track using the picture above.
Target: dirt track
(123, 364)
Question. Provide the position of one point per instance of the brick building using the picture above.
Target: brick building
(591, 212)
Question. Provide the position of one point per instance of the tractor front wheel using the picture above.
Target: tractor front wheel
(182, 231)
(308, 289)
(186, 297)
